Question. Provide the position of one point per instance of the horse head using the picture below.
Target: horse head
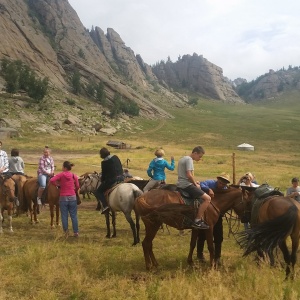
(233, 198)
(90, 182)
(8, 187)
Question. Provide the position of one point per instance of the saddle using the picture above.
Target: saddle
(261, 195)
(185, 196)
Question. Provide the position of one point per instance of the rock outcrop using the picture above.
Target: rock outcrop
(194, 72)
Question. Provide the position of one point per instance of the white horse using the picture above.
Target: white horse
(121, 198)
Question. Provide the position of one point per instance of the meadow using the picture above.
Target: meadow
(37, 262)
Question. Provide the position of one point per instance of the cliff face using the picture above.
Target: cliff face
(197, 74)
(48, 36)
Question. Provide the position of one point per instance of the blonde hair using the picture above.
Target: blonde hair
(159, 153)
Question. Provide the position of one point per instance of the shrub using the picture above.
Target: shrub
(19, 76)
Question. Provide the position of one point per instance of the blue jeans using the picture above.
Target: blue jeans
(68, 205)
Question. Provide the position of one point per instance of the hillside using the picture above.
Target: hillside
(49, 37)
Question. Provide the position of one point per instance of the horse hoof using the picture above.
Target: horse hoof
(107, 236)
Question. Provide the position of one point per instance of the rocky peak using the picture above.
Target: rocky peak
(196, 73)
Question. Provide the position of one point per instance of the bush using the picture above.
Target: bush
(19, 76)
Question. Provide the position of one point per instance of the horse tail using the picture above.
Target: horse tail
(268, 235)
(141, 206)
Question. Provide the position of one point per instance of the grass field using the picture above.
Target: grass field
(39, 263)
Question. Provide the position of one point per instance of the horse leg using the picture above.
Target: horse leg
(137, 224)
(151, 229)
(295, 246)
(132, 226)
(1, 220)
(210, 246)
(287, 258)
(200, 245)
(114, 222)
(193, 242)
(57, 214)
(9, 213)
(107, 225)
(35, 207)
(51, 206)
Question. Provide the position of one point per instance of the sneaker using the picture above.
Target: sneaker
(105, 210)
(200, 225)
(39, 201)
(76, 234)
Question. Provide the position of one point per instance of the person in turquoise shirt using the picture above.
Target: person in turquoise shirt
(156, 170)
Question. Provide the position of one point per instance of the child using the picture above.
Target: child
(156, 169)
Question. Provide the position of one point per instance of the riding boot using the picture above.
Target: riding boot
(103, 201)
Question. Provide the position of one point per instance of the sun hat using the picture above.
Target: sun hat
(224, 177)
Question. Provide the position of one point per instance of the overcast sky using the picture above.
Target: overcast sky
(245, 38)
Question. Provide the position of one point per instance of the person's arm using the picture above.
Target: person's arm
(150, 169)
(190, 176)
(76, 182)
(55, 179)
(171, 166)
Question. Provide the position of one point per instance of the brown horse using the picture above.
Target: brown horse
(51, 196)
(20, 181)
(160, 206)
(278, 217)
(7, 198)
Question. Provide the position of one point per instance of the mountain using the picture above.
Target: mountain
(48, 36)
(269, 85)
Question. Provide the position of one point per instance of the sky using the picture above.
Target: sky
(246, 38)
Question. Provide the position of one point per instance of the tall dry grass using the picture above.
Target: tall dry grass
(39, 263)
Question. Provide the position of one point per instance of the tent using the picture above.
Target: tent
(245, 147)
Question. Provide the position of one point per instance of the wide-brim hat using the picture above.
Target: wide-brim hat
(224, 177)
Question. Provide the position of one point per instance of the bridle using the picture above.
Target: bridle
(91, 181)
(6, 189)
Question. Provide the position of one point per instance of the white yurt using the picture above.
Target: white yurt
(245, 147)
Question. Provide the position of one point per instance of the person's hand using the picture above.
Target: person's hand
(211, 193)
(172, 157)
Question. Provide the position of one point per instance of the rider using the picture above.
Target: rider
(209, 186)
(16, 163)
(156, 170)
(44, 172)
(3, 161)
(112, 172)
(187, 182)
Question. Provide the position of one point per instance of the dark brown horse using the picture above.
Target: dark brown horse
(160, 206)
(7, 198)
(50, 196)
(277, 218)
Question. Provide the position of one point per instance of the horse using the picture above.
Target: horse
(7, 198)
(277, 218)
(120, 198)
(160, 206)
(20, 181)
(50, 195)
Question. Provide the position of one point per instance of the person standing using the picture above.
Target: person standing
(69, 185)
(16, 163)
(294, 190)
(4, 166)
(111, 173)
(187, 182)
(44, 172)
(156, 170)
(209, 186)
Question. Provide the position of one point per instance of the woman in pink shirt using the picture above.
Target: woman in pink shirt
(69, 185)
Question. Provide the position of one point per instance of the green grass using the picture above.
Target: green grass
(38, 263)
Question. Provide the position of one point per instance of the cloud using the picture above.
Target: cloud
(244, 38)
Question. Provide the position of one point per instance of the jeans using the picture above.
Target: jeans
(68, 205)
(42, 179)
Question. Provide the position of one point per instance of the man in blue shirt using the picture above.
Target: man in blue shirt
(209, 186)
